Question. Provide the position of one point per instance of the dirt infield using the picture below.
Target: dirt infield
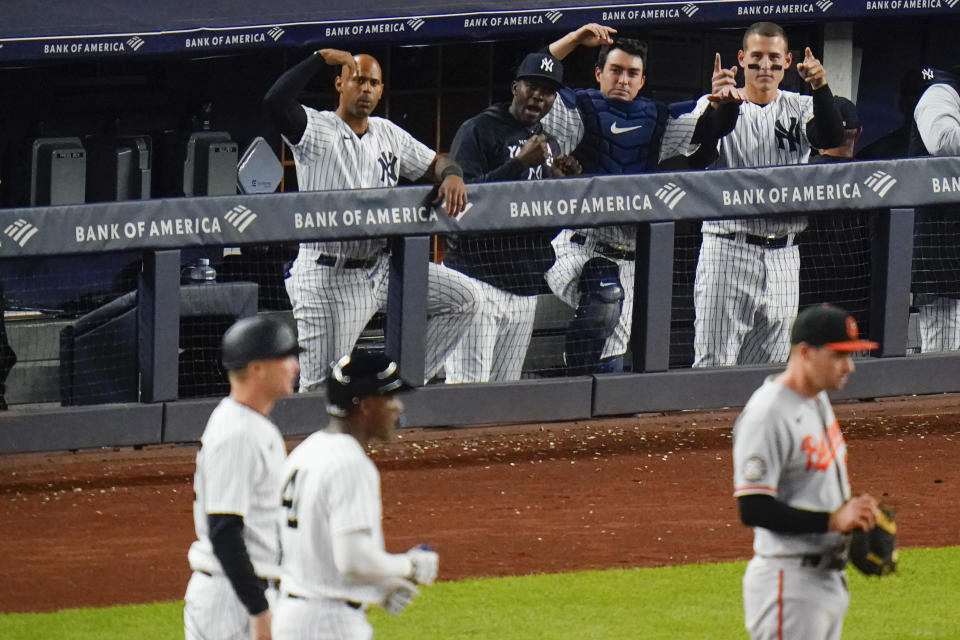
(112, 527)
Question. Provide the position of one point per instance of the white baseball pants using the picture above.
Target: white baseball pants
(938, 322)
(493, 349)
(212, 610)
(332, 305)
(319, 619)
(745, 298)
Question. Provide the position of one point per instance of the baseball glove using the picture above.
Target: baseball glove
(874, 552)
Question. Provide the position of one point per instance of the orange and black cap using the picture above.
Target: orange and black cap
(831, 327)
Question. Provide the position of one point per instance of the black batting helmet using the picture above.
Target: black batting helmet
(360, 375)
(258, 337)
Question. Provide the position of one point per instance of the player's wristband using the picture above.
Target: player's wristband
(451, 170)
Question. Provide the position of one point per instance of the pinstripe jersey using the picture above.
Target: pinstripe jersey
(238, 472)
(764, 136)
(331, 488)
(564, 123)
(330, 156)
(790, 447)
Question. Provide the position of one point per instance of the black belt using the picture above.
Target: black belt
(767, 242)
(264, 582)
(604, 249)
(353, 604)
(272, 583)
(348, 263)
(833, 562)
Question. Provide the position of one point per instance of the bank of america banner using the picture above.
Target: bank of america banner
(554, 204)
(97, 28)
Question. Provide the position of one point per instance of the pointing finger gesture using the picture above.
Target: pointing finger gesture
(811, 70)
(722, 77)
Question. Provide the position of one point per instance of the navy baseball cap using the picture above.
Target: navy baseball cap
(848, 113)
(257, 337)
(831, 327)
(543, 66)
(359, 375)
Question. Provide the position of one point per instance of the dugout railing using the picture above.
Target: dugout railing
(161, 229)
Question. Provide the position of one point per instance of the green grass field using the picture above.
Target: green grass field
(691, 601)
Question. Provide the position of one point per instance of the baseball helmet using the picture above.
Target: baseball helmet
(359, 375)
(258, 337)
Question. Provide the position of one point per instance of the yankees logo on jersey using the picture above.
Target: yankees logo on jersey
(388, 167)
(533, 173)
(788, 134)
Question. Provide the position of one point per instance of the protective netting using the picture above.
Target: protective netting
(936, 278)
(500, 307)
(76, 332)
(735, 297)
(42, 299)
(554, 303)
(835, 263)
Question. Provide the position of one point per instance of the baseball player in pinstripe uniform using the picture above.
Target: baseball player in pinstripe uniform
(792, 486)
(235, 559)
(936, 259)
(747, 282)
(334, 563)
(336, 287)
(609, 131)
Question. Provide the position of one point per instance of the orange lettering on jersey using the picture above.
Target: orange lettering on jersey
(820, 452)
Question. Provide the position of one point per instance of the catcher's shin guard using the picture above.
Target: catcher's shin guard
(596, 317)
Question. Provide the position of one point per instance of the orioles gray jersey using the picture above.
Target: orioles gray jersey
(331, 488)
(790, 447)
(330, 156)
(764, 136)
(238, 472)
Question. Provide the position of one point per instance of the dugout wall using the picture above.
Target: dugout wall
(656, 201)
(110, 70)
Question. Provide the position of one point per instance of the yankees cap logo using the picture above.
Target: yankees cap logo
(546, 64)
(617, 130)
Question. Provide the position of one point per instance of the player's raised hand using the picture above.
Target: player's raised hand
(338, 57)
(857, 513)
(723, 84)
(811, 70)
(722, 77)
(594, 35)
